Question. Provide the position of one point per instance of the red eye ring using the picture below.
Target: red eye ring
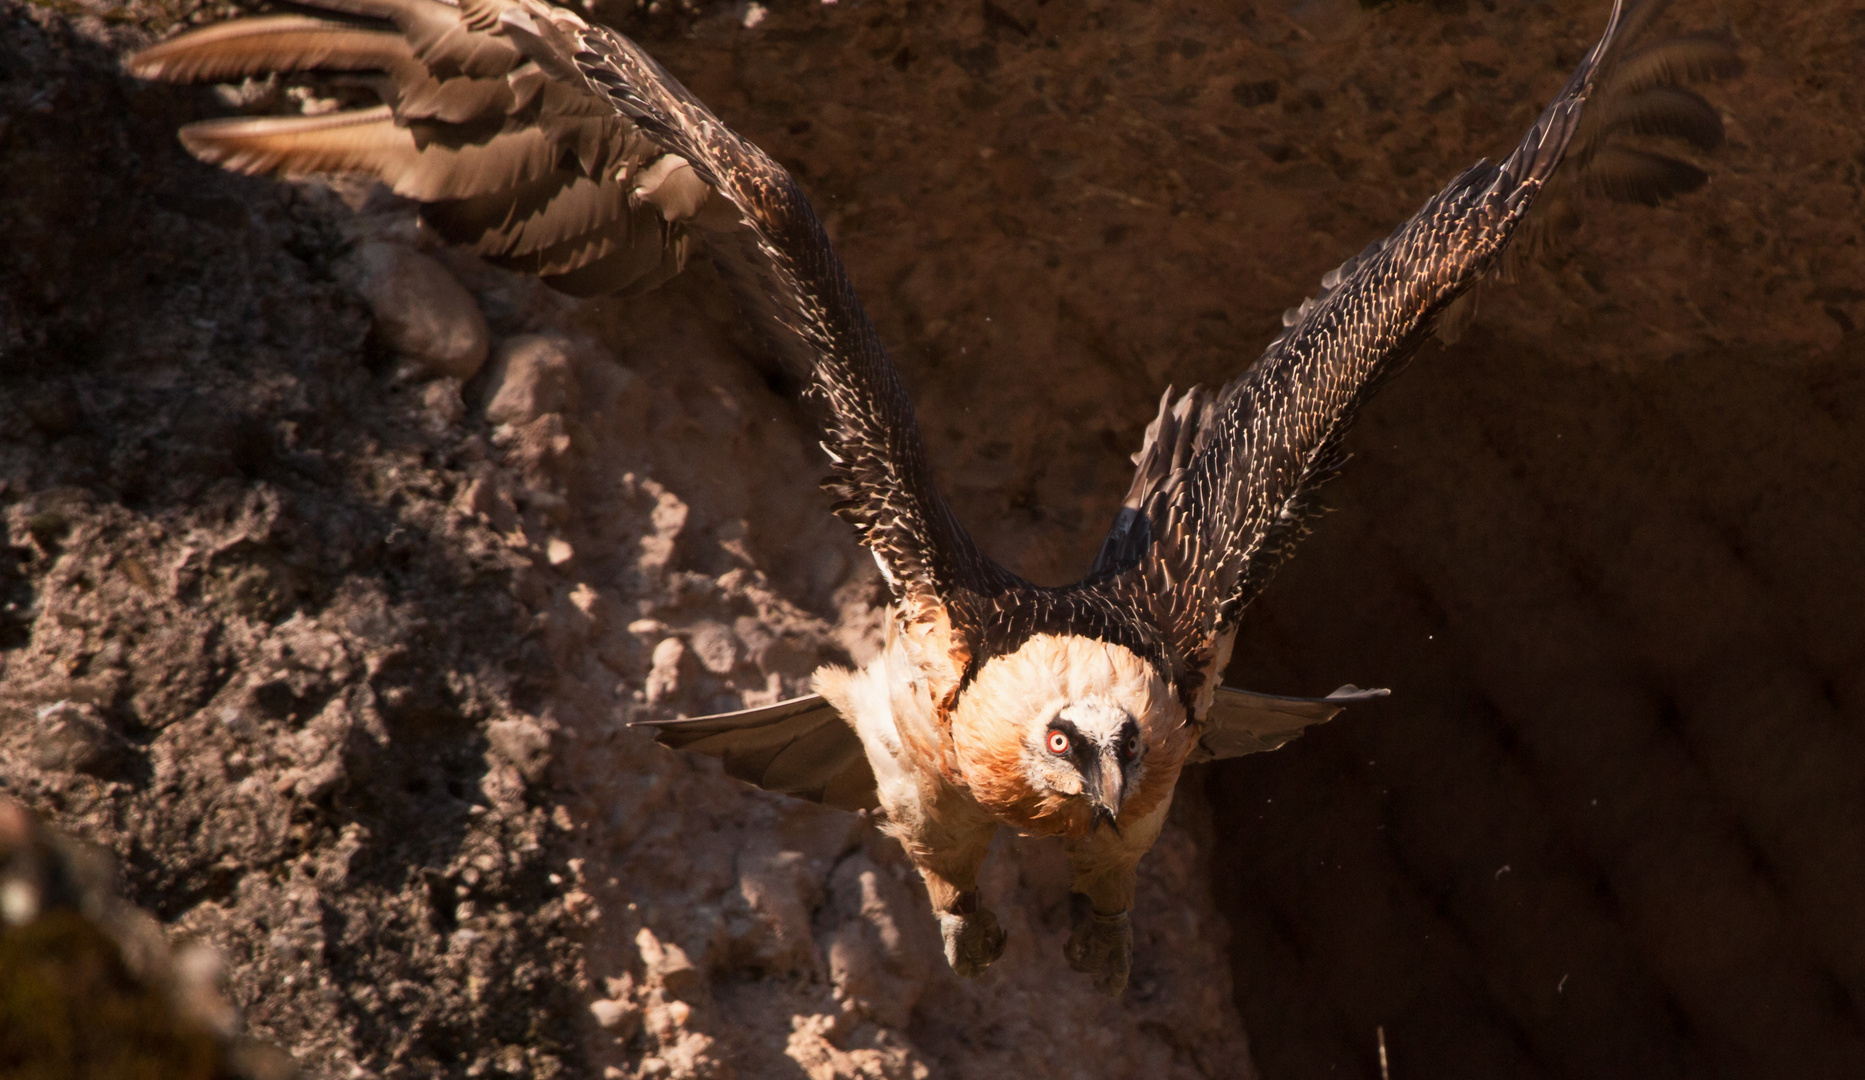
(1058, 743)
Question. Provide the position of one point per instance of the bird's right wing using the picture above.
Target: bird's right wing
(530, 171)
(1641, 93)
(786, 274)
(552, 146)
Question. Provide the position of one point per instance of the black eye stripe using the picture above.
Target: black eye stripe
(1083, 750)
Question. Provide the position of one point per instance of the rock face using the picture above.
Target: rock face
(335, 652)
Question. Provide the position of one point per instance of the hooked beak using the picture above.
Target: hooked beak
(1104, 789)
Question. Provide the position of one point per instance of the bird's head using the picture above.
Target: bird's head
(1086, 750)
(1069, 733)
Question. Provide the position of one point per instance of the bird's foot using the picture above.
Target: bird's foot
(973, 940)
(1101, 945)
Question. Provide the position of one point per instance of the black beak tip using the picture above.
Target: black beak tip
(1104, 816)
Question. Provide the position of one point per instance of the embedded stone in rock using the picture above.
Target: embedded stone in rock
(882, 952)
(441, 404)
(530, 375)
(608, 390)
(422, 312)
(70, 737)
(619, 1017)
(715, 645)
(663, 682)
(768, 920)
(772, 653)
(668, 965)
(523, 744)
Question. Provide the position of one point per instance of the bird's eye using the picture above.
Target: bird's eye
(1129, 746)
(1058, 743)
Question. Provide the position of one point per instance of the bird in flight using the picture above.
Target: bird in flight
(552, 146)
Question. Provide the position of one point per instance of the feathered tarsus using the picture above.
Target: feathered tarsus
(553, 146)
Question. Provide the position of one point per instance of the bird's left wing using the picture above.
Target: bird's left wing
(1226, 482)
(800, 747)
(1240, 722)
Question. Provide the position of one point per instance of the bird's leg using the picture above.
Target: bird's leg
(1100, 945)
(941, 827)
(973, 939)
(1101, 895)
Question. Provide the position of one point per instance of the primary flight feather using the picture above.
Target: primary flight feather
(553, 146)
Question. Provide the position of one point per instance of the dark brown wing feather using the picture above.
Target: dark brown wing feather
(1223, 521)
(524, 165)
(1158, 467)
(544, 144)
(800, 747)
(1696, 56)
(786, 274)
(1642, 97)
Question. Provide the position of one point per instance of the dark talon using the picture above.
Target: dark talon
(1101, 945)
(973, 940)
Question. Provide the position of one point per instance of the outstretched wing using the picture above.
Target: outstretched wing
(1227, 481)
(551, 146)
(786, 273)
(800, 747)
